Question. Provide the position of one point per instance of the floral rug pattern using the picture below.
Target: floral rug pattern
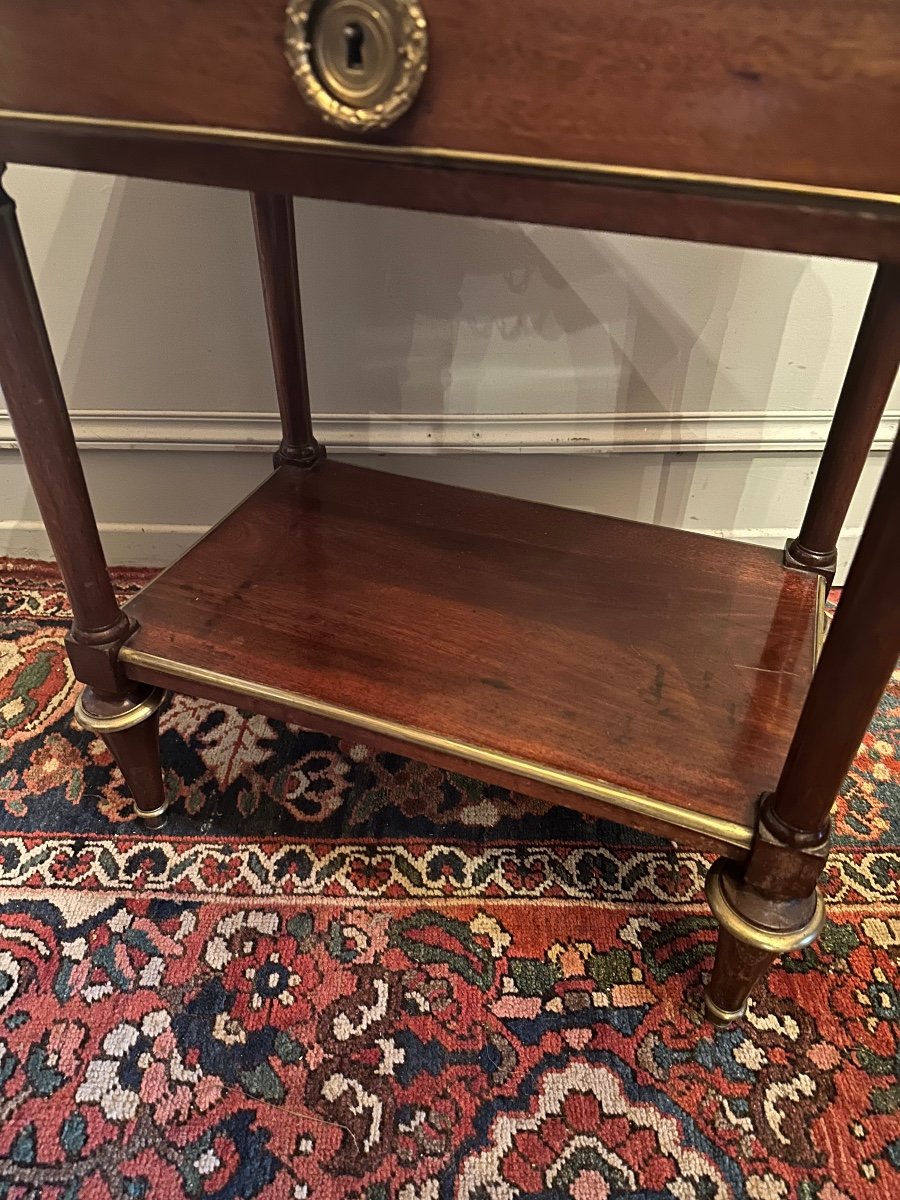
(335, 973)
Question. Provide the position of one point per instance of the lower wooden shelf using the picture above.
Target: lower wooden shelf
(631, 671)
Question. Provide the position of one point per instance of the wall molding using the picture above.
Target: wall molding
(505, 433)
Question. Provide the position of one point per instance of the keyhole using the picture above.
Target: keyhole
(354, 36)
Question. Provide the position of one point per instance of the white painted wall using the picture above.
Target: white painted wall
(669, 382)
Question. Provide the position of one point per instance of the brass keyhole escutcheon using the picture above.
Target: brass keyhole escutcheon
(359, 63)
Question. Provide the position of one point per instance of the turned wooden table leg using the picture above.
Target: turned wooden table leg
(276, 246)
(38, 412)
(773, 905)
(863, 397)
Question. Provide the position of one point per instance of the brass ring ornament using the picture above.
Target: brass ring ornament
(358, 63)
(135, 715)
(771, 941)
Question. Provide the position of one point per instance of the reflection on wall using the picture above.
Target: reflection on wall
(152, 299)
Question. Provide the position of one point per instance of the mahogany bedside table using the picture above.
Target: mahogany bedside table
(649, 675)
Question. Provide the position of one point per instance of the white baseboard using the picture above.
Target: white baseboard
(126, 544)
(140, 545)
(744, 462)
(506, 433)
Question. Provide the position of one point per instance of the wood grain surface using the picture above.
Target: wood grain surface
(806, 91)
(716, 214)
(664, 662)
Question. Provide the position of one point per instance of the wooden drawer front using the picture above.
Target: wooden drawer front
(799, 91)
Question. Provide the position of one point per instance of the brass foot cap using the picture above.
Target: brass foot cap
(155, 819)
(721, 1017)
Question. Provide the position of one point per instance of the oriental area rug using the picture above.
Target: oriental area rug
(342, 974)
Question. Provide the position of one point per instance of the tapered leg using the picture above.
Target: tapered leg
(44, 432)
(38, 412)
(276, 246)
(753, 930)
(128, 722)
(737, 968)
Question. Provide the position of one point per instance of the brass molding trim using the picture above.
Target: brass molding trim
(728, 832)
(821, 627)
(439, 157)
(412, 55)
(127, 720)
(770, 940)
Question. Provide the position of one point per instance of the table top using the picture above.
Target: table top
(686, 118)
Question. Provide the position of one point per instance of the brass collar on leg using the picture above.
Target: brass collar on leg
(773, 941)
(139, 712)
